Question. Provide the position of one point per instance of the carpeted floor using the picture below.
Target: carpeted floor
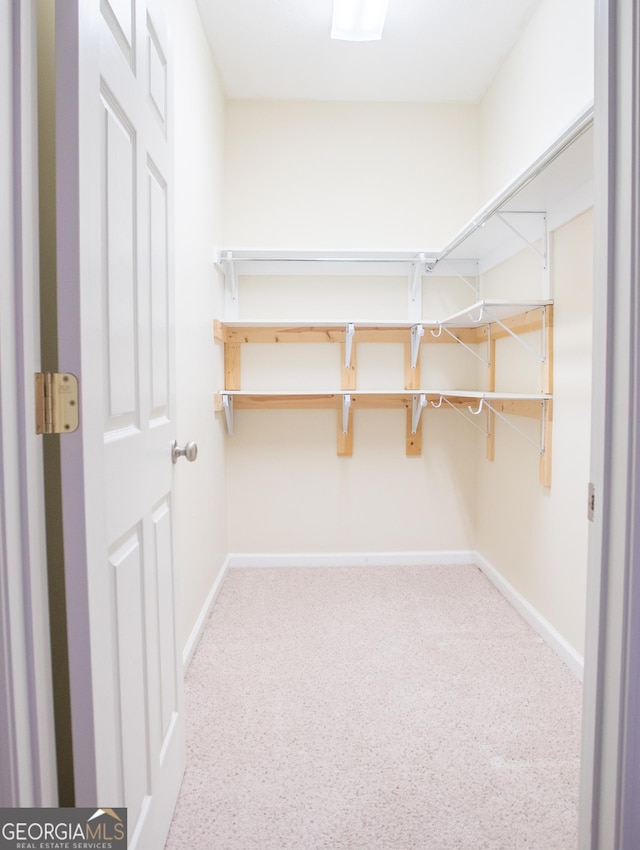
(376, 709)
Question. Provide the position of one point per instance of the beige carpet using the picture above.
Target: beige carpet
(376, 709)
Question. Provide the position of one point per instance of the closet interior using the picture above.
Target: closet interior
(524, 216)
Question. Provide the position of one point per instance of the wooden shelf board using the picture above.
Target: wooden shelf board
(491, 310)
(521, 316)
(473, 325)
(379, 399)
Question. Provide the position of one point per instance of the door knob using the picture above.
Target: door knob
(190, 451)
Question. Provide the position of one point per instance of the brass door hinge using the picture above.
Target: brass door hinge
(56, 403)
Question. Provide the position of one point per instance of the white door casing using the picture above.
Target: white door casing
(610, 816)
(114, 167)
(27, 748)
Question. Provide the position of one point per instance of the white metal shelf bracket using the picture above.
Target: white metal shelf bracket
(460, 413)
(418, 268)
(438, 333)
(230, 283)
(227, 406)
(348, 344)
(542, 253)
(418, 403)
(346, 405)
(540, 445)
(475, 286)
(494, 319)
(417, 332)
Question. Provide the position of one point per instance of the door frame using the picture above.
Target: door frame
(612, 690)
(27, 739)
(610, 818)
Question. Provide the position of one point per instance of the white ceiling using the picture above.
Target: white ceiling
(431, 50)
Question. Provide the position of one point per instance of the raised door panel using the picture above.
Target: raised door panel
(120, 18)
(157, 73)
(126, 563)
(159, 292)
(168, 703)
(120, 270)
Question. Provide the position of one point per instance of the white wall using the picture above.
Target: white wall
(344, 176)
(288, 490)
(201, 533)
(544, 83)
(537, 537)
(349, 175)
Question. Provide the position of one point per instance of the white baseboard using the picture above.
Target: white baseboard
(531, 615)
(352, 559)
(573, 660)
(196, 632)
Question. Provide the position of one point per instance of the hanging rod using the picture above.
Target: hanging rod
(244, 256)
(571, 134)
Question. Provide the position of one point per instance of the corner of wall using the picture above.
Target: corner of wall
(201, 528)
(545, 81)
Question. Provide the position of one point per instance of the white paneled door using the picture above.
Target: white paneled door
(114, 197)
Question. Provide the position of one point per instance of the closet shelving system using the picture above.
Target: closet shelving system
(553, 190)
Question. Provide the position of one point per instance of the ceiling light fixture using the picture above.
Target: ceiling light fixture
(358, 20)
